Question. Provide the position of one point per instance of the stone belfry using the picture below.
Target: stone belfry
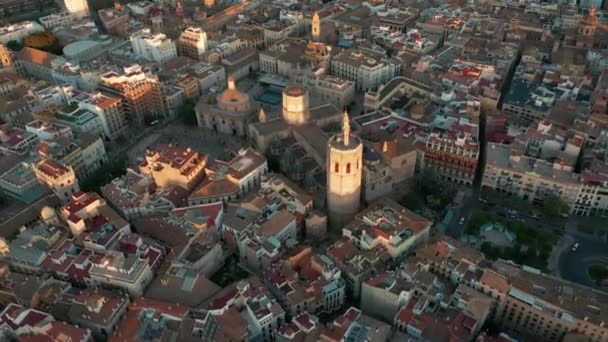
(344, 175)
(316, 27)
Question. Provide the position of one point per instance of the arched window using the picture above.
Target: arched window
(348, 168)
(337, 167)
(357, 165)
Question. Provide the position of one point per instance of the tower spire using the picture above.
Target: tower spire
(262, 115)
(316, 27)
(345, 128)
(231, 82)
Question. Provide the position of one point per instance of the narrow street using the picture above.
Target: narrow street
(471, 203)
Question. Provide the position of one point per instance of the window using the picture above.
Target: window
(337, 167)
(348, 168)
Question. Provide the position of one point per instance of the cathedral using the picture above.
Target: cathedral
(227, 113)
(589, 34)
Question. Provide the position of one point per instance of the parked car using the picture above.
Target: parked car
(461, 220)
(575, 246)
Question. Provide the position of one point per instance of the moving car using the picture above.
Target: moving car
(461, 220)
(575, 246)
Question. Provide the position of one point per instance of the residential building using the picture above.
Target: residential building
(356, 265)
(109, 109)
(353, 324)
(262, 314)
(169, 165)
(387, 223)
(132, 272)
(231, 180)
(16, 140)
(19, 182)
(67, 18)
(98, 310)
(259, 230)
(153, 47)
(535, 166)
(148, 317)
(140, 91)
(115, 20)
(18, 31)
(452, 148)
(23, 323)
(135, 195)
(306, 283)
(79, 120)
(528, 306)
(46, 131)
(59, 178)
(367, 72)
(398, 19)
(79, 7)
(193, 42)
(31, 246)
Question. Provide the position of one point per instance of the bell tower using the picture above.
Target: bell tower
(5, 57)
(344, 175)
(316, 27)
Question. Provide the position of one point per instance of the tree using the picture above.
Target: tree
(44, 41)
(14, 45)
(186, 113)
(554, 207)
(112, 169)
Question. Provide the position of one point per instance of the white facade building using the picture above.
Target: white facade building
(153, 47)
(80, 7)
(19, 31)
(193, 42)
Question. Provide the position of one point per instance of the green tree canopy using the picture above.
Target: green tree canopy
(44, 41)
(554, 207)
(186, 113)
(14, 45)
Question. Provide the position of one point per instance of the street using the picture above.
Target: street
(574, 265)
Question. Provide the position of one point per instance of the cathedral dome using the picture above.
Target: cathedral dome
(233, 99)
(47, 213)
(590, 19)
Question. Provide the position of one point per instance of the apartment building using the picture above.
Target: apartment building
(452, 149)
(539, 306)
(109, 109)
(402, 230)
(140, 91)
(19, 182)
(18, 31)
(153, 47)
(193, 42)
(306, 283)
(339, 92)
(367, 72)
(539, 162)
(174, 166)
(59, 178)
(135, 195)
